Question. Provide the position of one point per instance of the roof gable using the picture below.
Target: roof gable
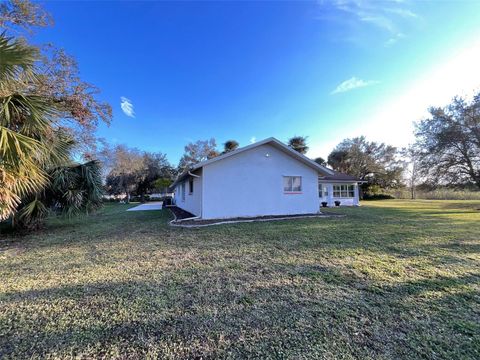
(271, 141)
(277, 144)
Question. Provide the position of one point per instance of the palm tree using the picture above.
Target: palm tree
(298, 143)
(24, 125)
(36, 170)
(72, 189)
(320, 161)
(230, 145)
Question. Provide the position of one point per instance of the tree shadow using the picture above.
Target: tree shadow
(306, 311)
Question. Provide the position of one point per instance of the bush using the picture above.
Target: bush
(377, 197)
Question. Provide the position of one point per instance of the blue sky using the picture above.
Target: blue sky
(328, 70)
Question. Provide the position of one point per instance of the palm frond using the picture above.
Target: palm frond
(16, 148)
(61, 145)
(28, 114)
(32, 213)
(15, 57)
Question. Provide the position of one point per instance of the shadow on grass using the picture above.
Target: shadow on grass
(304, 313)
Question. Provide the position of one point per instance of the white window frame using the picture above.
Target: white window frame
(183, 191)
(344, 191)
(289, 189)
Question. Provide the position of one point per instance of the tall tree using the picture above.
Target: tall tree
(449, 143)
(156, 167)
(412, 173)
(298, 143)
(76, 101)
(320, 161)
(35, 153)
(25, 125)
(230, 145)
(40, 110)
(377, 163)
(162, 184)
(57, 79)
(127, 170)
(196, 152)
(131, 171)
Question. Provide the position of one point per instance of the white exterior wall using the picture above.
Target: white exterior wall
(251, 184)
(193, 201)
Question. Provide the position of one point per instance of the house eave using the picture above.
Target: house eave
(329, 181)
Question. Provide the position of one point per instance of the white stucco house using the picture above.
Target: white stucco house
(264, 178)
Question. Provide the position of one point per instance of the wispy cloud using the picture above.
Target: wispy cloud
(379, 21)
(406, 13)
(353, 83)
(253, 139)
(127, 107)
(391, 17)
(394, 39)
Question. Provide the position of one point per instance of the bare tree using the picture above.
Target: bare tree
(23, 14)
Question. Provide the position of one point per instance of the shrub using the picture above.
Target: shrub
(377, 197)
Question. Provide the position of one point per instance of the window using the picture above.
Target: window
(190, 186)
(292, 184)
(344, 191)
(183, 191)
(322, 190)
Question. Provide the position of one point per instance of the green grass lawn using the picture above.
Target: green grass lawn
(393, 279)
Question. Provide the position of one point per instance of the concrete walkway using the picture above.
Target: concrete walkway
(154, 205)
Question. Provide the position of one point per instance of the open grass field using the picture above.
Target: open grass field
(393, 279)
